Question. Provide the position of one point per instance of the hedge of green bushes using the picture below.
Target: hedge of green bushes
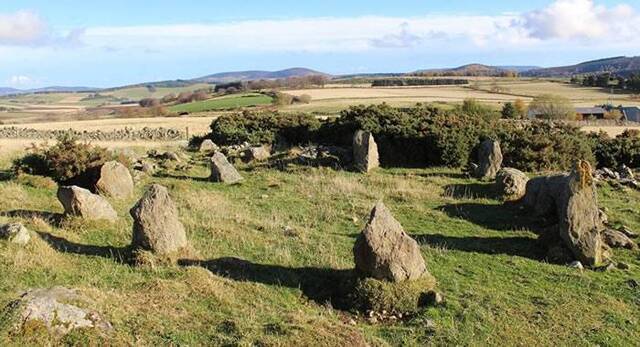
(429, 136)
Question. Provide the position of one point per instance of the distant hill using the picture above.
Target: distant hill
(622, 66)
(53, 89)
(235, 76)
(8, 91)
(472, 70)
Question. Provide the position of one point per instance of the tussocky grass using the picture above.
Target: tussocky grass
(266, 246)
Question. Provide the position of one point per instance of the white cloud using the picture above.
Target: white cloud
(22, 28)
(20, 80)
(581, 19)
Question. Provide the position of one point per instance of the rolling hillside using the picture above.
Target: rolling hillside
(472, 70)
(256, 75)
(618, 65)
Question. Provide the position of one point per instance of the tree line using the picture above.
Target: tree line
(609, 80)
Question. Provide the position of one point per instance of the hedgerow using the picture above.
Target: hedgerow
(424, 135)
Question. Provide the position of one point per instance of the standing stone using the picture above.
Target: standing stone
(365, 152)
(82, 203)
(489, 160)
(15, 233)
(222, 170)
(511, 184)
(208, 146)
(580, 225)
(156, 226)
(259, 153)
(115, 180)
(60, 309)
(385, 252)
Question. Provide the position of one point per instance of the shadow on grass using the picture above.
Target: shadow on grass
(321, 285)
(516, 246)
(471, 191)
(120, 254)
(182, 177)
(5, 175)
(50, 217)
(503, 217)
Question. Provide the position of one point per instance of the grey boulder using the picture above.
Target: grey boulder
(15, 233)
(156, 226)
(82, 203)
(115, 180)
(223, 171)
(489, 160)
(385, 252)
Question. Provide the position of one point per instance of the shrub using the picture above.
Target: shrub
(282, 99)
(264, 128)
(471, 107)
(407, 296)
(303, 99)
(613, 153)
(169, 98)
(149, 102)
(62, 162)
(418, 136)
(550, 106)
(509, 111)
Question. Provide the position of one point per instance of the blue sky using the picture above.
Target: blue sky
(120, 42)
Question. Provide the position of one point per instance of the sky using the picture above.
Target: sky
(117, 42)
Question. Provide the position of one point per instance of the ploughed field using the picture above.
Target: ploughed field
(291, 230)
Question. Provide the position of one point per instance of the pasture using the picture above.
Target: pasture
(290, 233)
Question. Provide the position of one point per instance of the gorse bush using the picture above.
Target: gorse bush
(64, 161)
(613, 152)
(264, 128)
(426, 136)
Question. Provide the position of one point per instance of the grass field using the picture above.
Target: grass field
(497, 290)
(235, 101)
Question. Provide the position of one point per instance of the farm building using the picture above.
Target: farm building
(591, 112)
(631, 114)
(584, 112)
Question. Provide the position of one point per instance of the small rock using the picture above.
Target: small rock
(610, 267)
(576, 265)
(208, 146)
(618, 239)
(431, 298)
(259, 153)
(633, 283)
(628, 232)
(264, 196)
(623, 266)
(15, 233)
(60, 309)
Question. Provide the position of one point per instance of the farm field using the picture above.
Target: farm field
(333, 97)
(223, 103)
(267, 250)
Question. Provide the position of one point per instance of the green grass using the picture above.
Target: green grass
(137, 93)
(224, 103)
(497, 291)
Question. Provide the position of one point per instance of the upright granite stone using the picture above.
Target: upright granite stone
(511, 184)
(579, 216)
(385, 252)
(489, 160)
(365, 152)
(115, 180)
(156, 226)
(82, 203)
(222, 170)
